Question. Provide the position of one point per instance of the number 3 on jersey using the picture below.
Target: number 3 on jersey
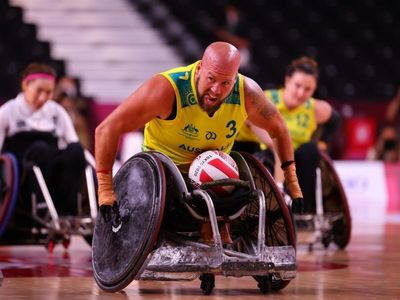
(232, 128)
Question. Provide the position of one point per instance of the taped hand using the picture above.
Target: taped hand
(109, 209)
(293, 188)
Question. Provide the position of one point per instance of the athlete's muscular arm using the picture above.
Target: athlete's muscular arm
(155, 98)
(262, 113)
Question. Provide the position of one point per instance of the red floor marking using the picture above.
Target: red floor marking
(39, 263)
(309, 266)
(43, 264)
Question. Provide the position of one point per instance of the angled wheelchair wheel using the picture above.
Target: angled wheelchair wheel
(335, 202)
(119, 253)
(279, 229)
(176, 185)
(9, 181)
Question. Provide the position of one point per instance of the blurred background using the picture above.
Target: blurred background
(102, 51)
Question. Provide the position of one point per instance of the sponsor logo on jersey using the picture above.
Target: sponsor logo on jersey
(190, 131)
(210, 135)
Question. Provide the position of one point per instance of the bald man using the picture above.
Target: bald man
(188, 110)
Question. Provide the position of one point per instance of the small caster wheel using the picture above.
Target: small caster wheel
(326, 240)
(207, 283)
(50, 246)
(264, 283)
(66, 242)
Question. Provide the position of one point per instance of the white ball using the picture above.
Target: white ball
(213, 165)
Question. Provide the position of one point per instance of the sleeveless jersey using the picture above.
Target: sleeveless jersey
(246, 135)
(193, 131)
(300, 121)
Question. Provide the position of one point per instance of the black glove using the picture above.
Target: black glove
(297, 205)
(111, 213)
(105, 213)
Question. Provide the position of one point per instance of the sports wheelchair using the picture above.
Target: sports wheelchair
(158, 236)
(31, 217)
(332, 220)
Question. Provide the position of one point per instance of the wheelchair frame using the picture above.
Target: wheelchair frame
(178, 258)
(320, 227)
(51, 226)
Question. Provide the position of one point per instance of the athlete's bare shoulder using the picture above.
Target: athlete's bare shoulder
(156, 94)
(323, 111)
(257, 103)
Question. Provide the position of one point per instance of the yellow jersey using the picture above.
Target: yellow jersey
(246, 134)
(193, 131)
(300, 121)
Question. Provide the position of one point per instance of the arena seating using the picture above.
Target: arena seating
(354, 43)
(19, 45)
(109, 46)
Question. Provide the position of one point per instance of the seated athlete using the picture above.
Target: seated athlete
(38, 131)
(302, 114)
(188, 110)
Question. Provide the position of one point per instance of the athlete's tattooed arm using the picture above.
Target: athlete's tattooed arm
(259, 104)
(262, 113)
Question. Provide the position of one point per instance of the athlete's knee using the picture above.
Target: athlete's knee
(309, 149)
(307, 153)
(72, 157)
(39, 153)
(75, 151)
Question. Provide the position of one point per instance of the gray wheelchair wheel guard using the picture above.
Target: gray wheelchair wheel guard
(117, 256)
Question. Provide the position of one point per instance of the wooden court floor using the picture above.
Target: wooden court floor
(369, 268)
